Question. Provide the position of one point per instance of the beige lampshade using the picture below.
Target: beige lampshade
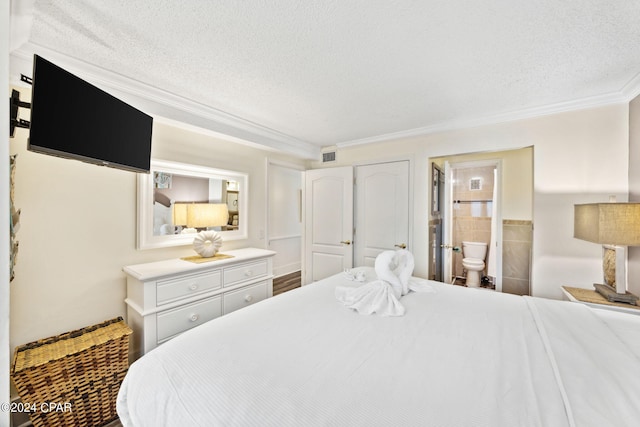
(201, 215)
(179, 214)
(608, 223)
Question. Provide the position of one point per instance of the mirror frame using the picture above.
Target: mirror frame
(145, 236)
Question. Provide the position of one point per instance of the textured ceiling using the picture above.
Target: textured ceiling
(336, 72)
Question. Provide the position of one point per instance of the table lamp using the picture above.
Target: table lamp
(615, 226)
(203, 215)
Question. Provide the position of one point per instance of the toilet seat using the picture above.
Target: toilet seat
(473, 263)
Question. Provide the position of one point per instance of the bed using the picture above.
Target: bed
(457, 357)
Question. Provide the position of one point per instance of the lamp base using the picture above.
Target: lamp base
(612, 296)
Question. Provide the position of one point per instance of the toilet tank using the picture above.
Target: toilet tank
(476, 250)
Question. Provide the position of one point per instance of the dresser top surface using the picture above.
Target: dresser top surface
(157, 269)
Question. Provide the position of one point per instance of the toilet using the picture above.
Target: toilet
(473, 254)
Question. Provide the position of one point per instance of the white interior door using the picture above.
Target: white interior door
(328, 222)
(382, 210)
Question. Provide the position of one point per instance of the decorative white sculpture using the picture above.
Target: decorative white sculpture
(207, 243)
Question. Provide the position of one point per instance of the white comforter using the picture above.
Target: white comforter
(459, 357)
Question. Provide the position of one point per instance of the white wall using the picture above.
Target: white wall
(285, 227)
(5, 350)
(78, 229)
(579, 157)
(633, 272)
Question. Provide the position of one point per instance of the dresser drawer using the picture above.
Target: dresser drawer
(172, 322)
(234, 275)
(244, 297)
(170, 290)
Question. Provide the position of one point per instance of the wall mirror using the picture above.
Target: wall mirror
(170, 185)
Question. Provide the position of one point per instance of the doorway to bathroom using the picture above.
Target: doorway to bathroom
(513, 206)
(471, 249)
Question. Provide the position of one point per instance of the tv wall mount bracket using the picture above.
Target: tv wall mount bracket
(14, 104)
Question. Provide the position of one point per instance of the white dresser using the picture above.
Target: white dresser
(166, 298)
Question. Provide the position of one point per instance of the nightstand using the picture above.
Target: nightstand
(592, 298)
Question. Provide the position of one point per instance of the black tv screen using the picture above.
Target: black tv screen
(74, 119)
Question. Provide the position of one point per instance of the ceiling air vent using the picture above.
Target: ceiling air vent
(329, 156)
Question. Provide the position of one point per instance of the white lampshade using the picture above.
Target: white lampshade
(201, 215)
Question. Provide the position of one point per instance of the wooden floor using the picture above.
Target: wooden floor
(286, 283)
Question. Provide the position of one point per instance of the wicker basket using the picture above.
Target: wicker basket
(73, 379)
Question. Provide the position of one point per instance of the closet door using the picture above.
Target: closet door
(381, 210)
(328, 222)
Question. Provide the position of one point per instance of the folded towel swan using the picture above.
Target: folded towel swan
(395, 268)
(382, 296)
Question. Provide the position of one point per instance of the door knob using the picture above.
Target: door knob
(401, 246)
(346, 242)
(446, 246)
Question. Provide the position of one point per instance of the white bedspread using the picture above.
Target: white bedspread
(458, 357)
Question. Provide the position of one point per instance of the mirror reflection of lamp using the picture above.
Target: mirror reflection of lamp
(179, 217)
(204, 215)
(615, 226)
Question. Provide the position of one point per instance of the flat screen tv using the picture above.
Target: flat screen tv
(73, 119)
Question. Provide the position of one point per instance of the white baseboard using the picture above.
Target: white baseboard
(283, 270)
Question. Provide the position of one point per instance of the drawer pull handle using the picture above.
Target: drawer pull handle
(248, 298)
(248, 273)
(193, 286)
(194, 317)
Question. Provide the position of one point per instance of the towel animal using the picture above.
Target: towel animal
(382, 296)
(395, 268)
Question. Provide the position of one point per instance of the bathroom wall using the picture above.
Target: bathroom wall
(471, 209)
(517, 241)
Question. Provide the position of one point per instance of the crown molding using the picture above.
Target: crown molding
(165, 106)
(181, 112)
(632, 89)
(528, 113)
